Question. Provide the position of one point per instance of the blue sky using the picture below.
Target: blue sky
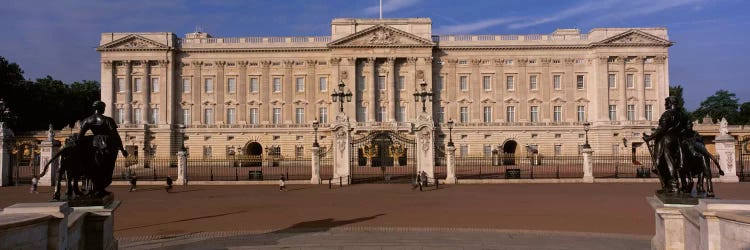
(58, 38)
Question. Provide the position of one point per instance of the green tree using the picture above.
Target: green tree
(744, 115)
(722, 104)
(676, 91)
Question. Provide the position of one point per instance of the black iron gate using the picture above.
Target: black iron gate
(383, 157)
(743, 158)
(24, 161)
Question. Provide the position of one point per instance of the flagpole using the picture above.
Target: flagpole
(381, 9)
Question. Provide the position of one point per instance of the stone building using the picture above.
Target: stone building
(509, 93)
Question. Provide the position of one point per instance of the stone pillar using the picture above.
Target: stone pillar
(146, 94)
(726, 154)
(108, 87)
(264, 87)
(475, 92)
(315, 166)
(182, 176)
(311, 87)
(670, 224)
(371, 79)
(588, 166)
(48, 149)
(640, 88)
(197, 89)
(220, 85)
(242, 92)
(425, 144)
(5, 135)
(128, 93)
(450, 165)
(341, 148)
(390, 89)
(288, 91)
(622, 110)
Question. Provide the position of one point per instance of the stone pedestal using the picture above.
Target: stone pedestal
(5, 136)
(450, 165)
(342, 147)
(48, 149)
(57, 231)
(315, 166)
(670, 224)
(182, 178)
(99, 226)
(588, 165)
(424, 130)
(726, 154)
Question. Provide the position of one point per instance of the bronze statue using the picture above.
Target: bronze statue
(672, 124)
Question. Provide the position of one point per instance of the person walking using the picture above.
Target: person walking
(419, 181)
(282, 183)
(133, 182)
(34, 185)
(169, 184)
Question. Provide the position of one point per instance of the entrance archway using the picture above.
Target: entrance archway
(509, 152)
(254, 152)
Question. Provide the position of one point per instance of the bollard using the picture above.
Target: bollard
(329, 183)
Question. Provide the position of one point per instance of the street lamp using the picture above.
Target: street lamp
(450, 132)
(586, 127)
(182, 132)
(423, 95)
(316, 124)
(341, 96)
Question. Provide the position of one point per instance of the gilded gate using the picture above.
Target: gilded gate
(383, 157)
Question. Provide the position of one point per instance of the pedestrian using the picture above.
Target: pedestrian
(282, 183)
(133, 182)
(34, 185)
(169, 184)
(424, 179)
(419, 181)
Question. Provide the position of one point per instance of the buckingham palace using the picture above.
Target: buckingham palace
(217, 96)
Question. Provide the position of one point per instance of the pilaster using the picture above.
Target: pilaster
(476, 89)
(264, 87)
(370, 88)
(622, 110)
(287, 91)
(221, 87)
(107, 87)
(242, 92)
(391, 89)
(128, 92)
(640, 88)
(311, 87)
(196, 85)
(167, 92)
(146, 95)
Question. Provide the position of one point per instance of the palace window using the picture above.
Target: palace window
(254, 116)
(534, 113)
(208, 116)
(647, 81)
(533, 82)
(464, 150)
(232, 85)
(464, 114)
(629, 81)
(299, 84)
(581, 110)
(557, 113)
(612, 81)
(487, 150)
(510, 114)
(155, 84)
(509, 84)
(487, 83)
(323, 115)
(138, 85)
(186, 85)
(580, 84)
(400, 83)
(120, 85)
(137, 116)
(401, 114)
(155, 115)
(487, 114)
(254, 85)
(631, 112)
(299, 116)
(649, 111)
(557, 82)
(558, 149)
(299, 151)
(120, 116)
(207, 152)
(276, 116)
(382, 114)
(464, 83)
(381, 82)
(361, 114)
(186, 117)
(277, 84)
(612, 112)
(208, 85)
(323, 84)
(231, 116)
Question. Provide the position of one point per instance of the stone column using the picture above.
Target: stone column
(146, 94)
(424, 131)
(475, 92)
(522, 90)
(341, 148)
(128, 92)
(588, 166)
(242, 92)
(450, 165)
(197, 85)
(182, 171)
(48, 149)
(166, 92)
(640, 88)
(311, 87)
(288, 91)
(391, 89)
(221, 87)
(371, 88)
(5, 135)
(726, 154)
(264, 87)
(597, 87)
(315, 166)
(108, 87)
(451, 87)
(622, 111)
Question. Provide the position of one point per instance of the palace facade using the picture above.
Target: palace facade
(246, 95)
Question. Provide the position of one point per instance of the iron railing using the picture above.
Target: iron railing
(147, 168)
(519, 167)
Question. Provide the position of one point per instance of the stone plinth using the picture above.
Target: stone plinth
(48, 149)
(342, 146)
(727, 156)
(99, 226)
(56, 231)
(450, 177)
(315, 166)
(588, 165)
(424, 131)
(182, 178)
(670, 224)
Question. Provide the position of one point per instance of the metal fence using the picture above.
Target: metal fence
(519, 167)
(241, 169)
(147, 168)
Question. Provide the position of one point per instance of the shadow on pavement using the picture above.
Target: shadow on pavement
(183, 220)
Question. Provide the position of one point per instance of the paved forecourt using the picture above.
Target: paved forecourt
(604, 208)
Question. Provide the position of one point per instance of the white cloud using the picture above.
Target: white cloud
(475, 26)
(390, 6)
(566, 13)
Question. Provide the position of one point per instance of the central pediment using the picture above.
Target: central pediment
(634, 38)
(133, 42)
(381, 36)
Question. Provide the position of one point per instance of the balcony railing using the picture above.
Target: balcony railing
(529, 37)
(256, 40)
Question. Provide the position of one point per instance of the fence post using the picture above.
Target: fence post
(588, 167)
(315, 179)
(727, 153)
(450, 164)
(48, 149)
(5, 135)
(182, 177)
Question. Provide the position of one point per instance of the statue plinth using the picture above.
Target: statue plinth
(91, 201)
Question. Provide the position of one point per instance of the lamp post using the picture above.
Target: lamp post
(423, 95)
(450, 132)
(182, 133)
(341, 96)
(586, 127)
(315, 125)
